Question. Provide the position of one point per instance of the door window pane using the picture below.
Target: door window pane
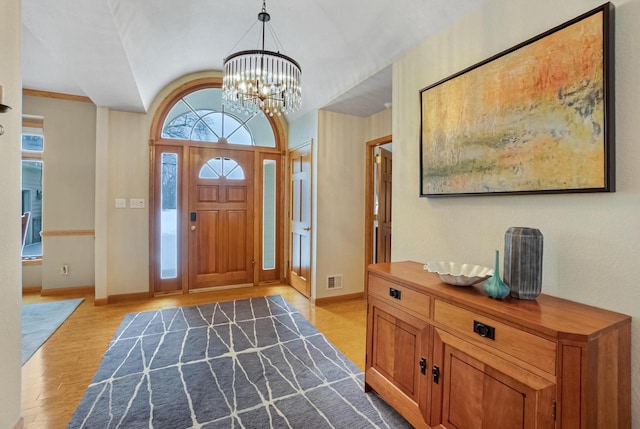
(219, 167)
(169, 216)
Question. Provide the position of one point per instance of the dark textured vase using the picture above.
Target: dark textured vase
(523, 262)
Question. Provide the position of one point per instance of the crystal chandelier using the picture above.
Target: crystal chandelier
(261, 80)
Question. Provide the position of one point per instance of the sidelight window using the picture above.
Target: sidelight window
(169, 216)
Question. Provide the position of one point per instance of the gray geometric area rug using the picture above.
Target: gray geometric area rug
(41, 320)
(254, 363)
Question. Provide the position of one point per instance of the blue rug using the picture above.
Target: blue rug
(253, 363)
(41, 320)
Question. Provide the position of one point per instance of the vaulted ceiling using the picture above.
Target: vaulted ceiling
(121, 53)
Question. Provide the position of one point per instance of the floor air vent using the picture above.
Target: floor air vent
(334, 281)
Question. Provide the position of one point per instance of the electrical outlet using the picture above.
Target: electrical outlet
(64, 270)
(121, 203)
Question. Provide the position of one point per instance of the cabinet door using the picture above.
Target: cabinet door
(398, 349)
(472, 389)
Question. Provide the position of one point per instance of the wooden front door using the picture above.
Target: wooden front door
(384, 206)
(300, 168)
(220, 217)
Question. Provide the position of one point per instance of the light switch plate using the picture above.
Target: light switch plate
(121, 203)
(136, 203)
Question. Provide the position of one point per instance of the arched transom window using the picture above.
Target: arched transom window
(217, 168)
(200, 116)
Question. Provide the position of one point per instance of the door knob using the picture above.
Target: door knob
(307, 228)
(193, 227)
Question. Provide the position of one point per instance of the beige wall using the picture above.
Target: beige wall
(10, 266)
(32, 275)
(340, 202)
(592, 244)
(128, 229)
(303, 129)
(101, 249)
(378, 125)
(68, 188)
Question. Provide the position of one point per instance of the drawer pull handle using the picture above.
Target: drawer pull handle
(394, 293)
(483, 330)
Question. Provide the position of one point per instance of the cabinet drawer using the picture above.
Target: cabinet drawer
(416, 303)
(527, 347)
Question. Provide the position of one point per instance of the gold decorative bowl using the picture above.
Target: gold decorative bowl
(456, 274)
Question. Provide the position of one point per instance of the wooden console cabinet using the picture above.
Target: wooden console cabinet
(450, 357)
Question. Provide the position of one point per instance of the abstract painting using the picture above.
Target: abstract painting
(537, 118)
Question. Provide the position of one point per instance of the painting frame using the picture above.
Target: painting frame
(547, 129)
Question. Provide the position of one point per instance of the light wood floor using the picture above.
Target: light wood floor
(56, 376)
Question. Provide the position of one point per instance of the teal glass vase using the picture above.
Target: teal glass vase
(495, 287)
